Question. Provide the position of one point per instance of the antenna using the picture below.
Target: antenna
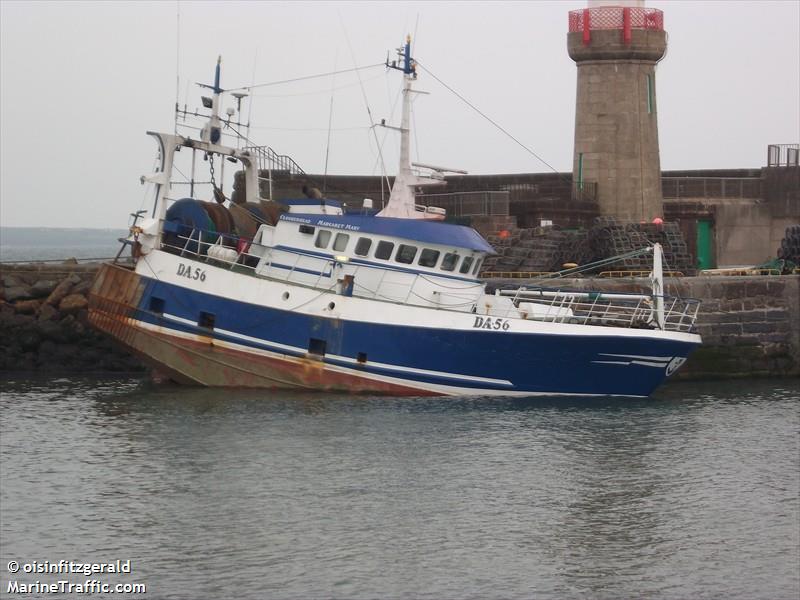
(239, 96)
(330, 123)
(177, 61)
(250, 104)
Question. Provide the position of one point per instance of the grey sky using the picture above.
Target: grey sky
(81, 82)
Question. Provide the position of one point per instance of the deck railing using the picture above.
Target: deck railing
(602, 308)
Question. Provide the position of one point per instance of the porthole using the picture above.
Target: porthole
(285, 295)
(331, 305)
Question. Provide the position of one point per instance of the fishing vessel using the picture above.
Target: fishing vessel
(301, 294)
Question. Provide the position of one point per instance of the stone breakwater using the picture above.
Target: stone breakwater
(44, 325)
(750, 325)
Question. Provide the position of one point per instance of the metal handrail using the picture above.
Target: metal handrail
(604, 308)
(268, 159)
(612, 17)
(783, 155)
(711, 187)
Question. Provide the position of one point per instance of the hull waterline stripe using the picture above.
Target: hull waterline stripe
(645, 363)
(422, 386)
(611, 362)
(347, 359)
(664, 359)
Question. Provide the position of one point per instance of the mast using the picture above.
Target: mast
(401, 200)
(212, 132)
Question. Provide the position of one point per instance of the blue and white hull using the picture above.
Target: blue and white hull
(212, 330)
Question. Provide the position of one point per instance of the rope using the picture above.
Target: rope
(493, 122)
(305, 78)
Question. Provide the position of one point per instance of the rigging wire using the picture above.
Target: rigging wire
(330, 123)
(306, 77)
(314, 92)
(364, 96)
(177, 61)
(493, 122)
(387, 131)
(594, 265)
(250, 100)
(267, 128)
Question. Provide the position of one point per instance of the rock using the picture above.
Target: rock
(29, 340)
(61, 291)
(12, 281)
(51, 330)
(47, 313)
(72, 303)
(47, 353)
(27, 307)
(70, 330)
(28, 278)
(82, 288)
(18, 293)
(11, 320)
(43, 288)
(70, 261)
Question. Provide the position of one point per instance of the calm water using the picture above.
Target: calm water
(48, 243)
(695, 493)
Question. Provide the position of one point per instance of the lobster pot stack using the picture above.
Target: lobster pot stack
(669, 235)
(608, 237)
(790, 245)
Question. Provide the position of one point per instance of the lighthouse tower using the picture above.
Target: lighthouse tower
(616, 46)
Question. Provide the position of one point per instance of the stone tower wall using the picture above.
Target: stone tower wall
(616, 121)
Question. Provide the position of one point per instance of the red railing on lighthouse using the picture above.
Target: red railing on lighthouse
(626, 19)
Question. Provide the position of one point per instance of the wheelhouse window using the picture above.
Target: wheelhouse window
(477, 266)
(384, 250)
(362, 246)
(323, 239)
(428, 257)
(466, 265)
(449, 262)
(340, 243)
(405, 254)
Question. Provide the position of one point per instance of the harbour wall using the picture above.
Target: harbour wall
(750, 325)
